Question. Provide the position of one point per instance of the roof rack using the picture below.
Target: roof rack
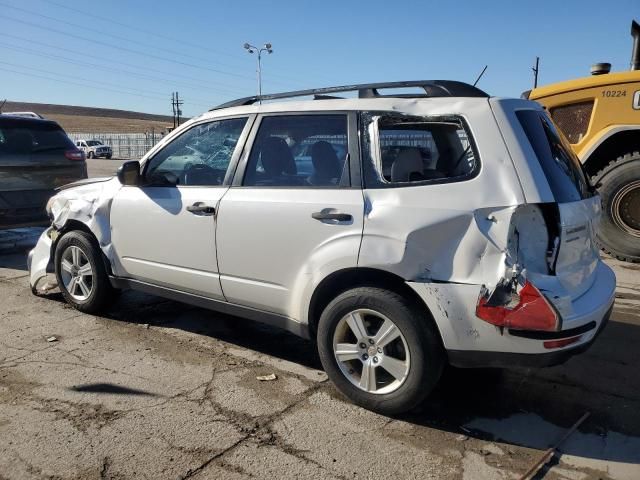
(432, 88)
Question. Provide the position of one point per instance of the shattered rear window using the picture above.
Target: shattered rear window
(405, 150)
(560, 165)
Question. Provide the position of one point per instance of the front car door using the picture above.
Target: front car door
(293, 213)
(164, 232)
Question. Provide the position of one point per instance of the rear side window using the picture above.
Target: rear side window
(300, 151)
(402, 150)
(560, 165)
(26, 139)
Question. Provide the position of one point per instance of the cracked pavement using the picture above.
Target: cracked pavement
(157, 389)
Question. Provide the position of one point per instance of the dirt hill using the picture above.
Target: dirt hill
(94, 120)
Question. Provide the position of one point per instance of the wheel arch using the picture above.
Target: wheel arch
(72, 225)
(345, 279)
(616, 143)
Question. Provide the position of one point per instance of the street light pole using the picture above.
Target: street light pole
(251, 49)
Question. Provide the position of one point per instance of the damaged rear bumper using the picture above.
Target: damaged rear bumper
(479, 359)
(473, 342)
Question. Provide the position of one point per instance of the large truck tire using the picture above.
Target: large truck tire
(619, 187)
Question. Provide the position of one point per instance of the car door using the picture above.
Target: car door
(164, 232)
(293, 213)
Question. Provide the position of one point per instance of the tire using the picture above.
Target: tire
(109, 157)
(90, 155)
(94, 292)
(418, 349)
(619, 188)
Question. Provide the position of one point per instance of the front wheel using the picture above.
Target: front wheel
(379, 350)
(90, 155)
(619, 188)
(81, 273)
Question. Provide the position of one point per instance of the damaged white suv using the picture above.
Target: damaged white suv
(401, 231)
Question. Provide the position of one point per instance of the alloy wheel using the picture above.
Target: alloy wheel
(371, 351)
(76, 273)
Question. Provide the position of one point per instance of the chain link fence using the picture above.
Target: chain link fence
(124, 145)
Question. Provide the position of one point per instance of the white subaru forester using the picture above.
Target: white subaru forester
(400, 231)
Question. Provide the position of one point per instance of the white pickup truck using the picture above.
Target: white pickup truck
(94, 148)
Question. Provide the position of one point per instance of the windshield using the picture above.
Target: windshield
(93, 143)
(560, 165)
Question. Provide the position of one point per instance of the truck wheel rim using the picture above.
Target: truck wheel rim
(625, 208)
(371, 352)
(76, 273)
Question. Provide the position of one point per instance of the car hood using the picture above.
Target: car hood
(86, 181)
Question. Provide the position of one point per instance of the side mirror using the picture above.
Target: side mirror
(129, 173)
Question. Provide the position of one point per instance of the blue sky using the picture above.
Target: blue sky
(133, 54)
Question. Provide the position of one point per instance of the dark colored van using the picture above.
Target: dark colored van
(36, 156)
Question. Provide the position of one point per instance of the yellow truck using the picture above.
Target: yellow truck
(600, 117)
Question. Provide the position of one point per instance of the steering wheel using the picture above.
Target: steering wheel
(200, 174)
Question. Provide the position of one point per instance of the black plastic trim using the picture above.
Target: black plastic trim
(538, 335)
(221, 306)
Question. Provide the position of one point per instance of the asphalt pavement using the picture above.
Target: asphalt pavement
(156, 389)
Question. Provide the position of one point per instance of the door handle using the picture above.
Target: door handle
(340, 217)
(200, 208)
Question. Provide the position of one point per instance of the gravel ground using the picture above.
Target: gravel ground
(157, 389)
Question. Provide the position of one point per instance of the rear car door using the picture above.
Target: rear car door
(164, 231)
(36, 156)
(294, 211)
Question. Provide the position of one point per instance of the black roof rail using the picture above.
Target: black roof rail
(432, 88)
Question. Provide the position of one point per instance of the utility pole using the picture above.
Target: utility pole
(176, 103)
(173, 107)
(535, 73)
(178, 109)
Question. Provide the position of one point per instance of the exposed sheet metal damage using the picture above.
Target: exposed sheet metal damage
(87, 203)
(490, 248)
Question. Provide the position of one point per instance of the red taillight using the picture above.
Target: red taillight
(561, 343)
(533, 312)
(75, 155)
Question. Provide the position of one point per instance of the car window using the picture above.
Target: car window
(94, 143)
(299, 150)
(404, 150)
(21, 138)
(198, 157)
(560, 165)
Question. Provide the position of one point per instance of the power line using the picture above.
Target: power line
(108, 84)
(149, 32)
(164, 37)
(149, 69)
(108, 68)
(130, 50)
(108, 34)
(106, 89)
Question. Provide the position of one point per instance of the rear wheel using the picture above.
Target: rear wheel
(619, 230)
(379, 350)
(81, 274)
